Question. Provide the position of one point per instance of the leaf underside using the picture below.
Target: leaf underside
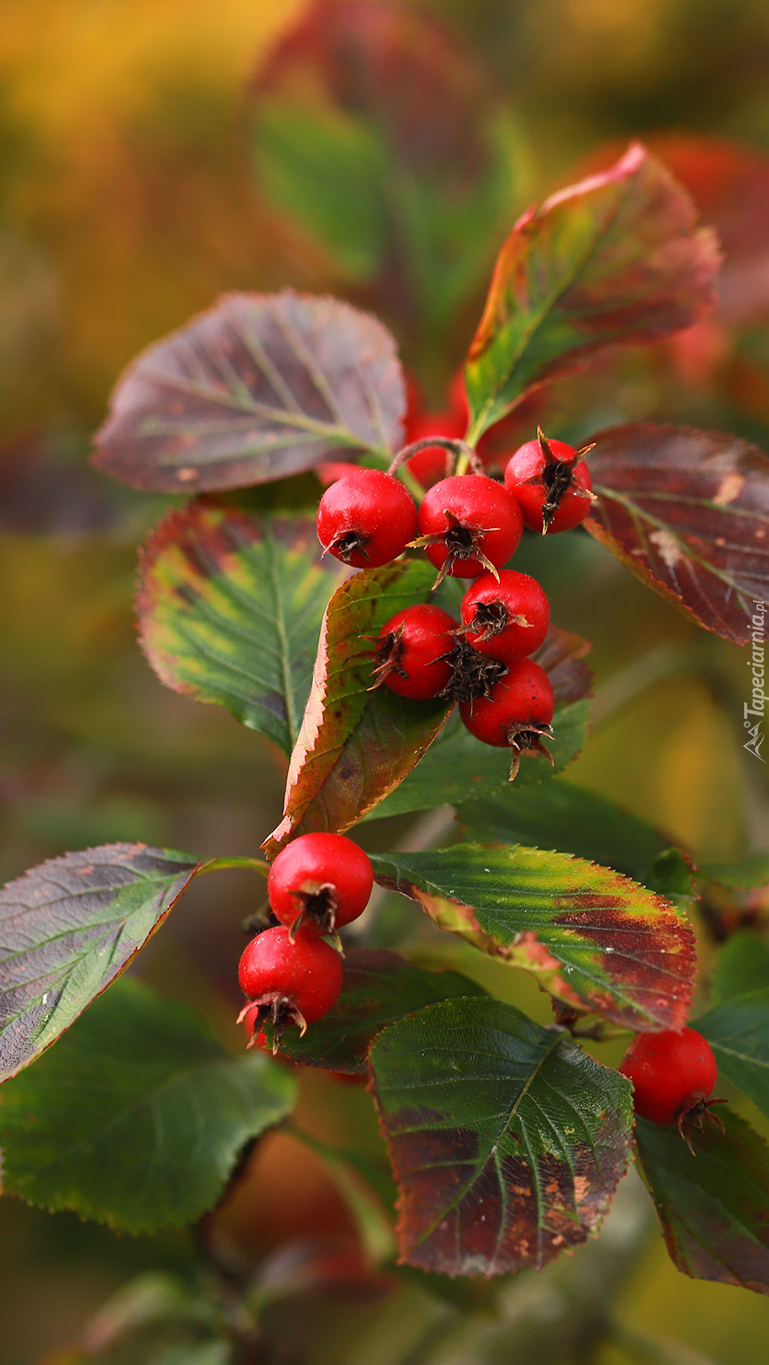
(593, 938)
(260, 387)
(507, 1141)
(68, 928)
(738, 1032)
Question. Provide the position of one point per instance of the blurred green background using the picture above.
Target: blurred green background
(128, 201)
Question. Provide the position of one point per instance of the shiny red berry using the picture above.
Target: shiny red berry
(551, 484)
(291, 982)
(672, 1074)
(516, 712)
(508, 617)
(468, 523)
(323, 880)
(366, 518)
(411, 652)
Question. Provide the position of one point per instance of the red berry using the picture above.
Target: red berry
(509, 616)
(548, 480)
(295, 982)
(517, 711)
(321, 879)
(411, 655)
(672, 1073)
(468, 523)
(366, 519)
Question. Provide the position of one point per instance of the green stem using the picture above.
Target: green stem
(220, 864)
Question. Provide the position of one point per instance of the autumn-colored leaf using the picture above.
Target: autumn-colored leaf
(379, 987)
(507, 1141)
(376, 135)
(458, 768)
(230, 603)
(613, 259)
(688, 512)
(68, 928)
(355, 744)
(593, 938)
(260, 387)
(713, 1204)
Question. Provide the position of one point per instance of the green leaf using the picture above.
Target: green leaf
(559, 815)
(355, 745)
(738, 1032)
(593, 938)
(457, 767)
(613, 259)
(230, 604)
(714, 1205)
(507, 1141)
(137, 1117)
(742, 965)
(743, 874)
(379, 986)
(260, 387)
(68, 928)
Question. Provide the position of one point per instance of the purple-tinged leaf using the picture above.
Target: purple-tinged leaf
(613, 259)
(68, 928)
(714, 1204)
(688, 512)
(260, 387)
(507, 1141)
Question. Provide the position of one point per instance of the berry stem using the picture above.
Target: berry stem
(220, 864)
(467, 457)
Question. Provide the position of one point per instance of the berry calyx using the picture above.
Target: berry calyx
(674, 1075)
(551, 484)
(366, 518)
(413, 648)
(290, 982)
(516, 712)
(505, 616)
(321, 881)
(466, 524)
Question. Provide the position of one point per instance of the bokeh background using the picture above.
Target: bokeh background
(129, 200)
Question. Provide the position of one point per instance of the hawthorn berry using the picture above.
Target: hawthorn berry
(506, 617)
(551, 484)
(413, 649)
(673, 1075)
(320, 880)
(366, 518)
(468, 523)
(515, 712)
(290, 981)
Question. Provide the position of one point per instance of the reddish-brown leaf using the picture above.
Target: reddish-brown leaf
(688, 512)
(259, 387)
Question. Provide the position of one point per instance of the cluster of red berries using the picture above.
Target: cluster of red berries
(469, 526)
(289, 973)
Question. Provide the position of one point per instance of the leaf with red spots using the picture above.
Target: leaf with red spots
(259, 387)
(379, 987)
(376, 135)
(68, 928)
(507, 1141)
(458, 768)
(614, 259)
(593, 938)
(713, 1205)
(356, 745)
(688, 512)
(230, 603)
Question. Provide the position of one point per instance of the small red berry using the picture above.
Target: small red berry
(291, 982)
(412, 649)
(320, 879)
(517, 711)
(672, 1074)
(366, 519)
(468, 523)
(506, 617)
(551, 484)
